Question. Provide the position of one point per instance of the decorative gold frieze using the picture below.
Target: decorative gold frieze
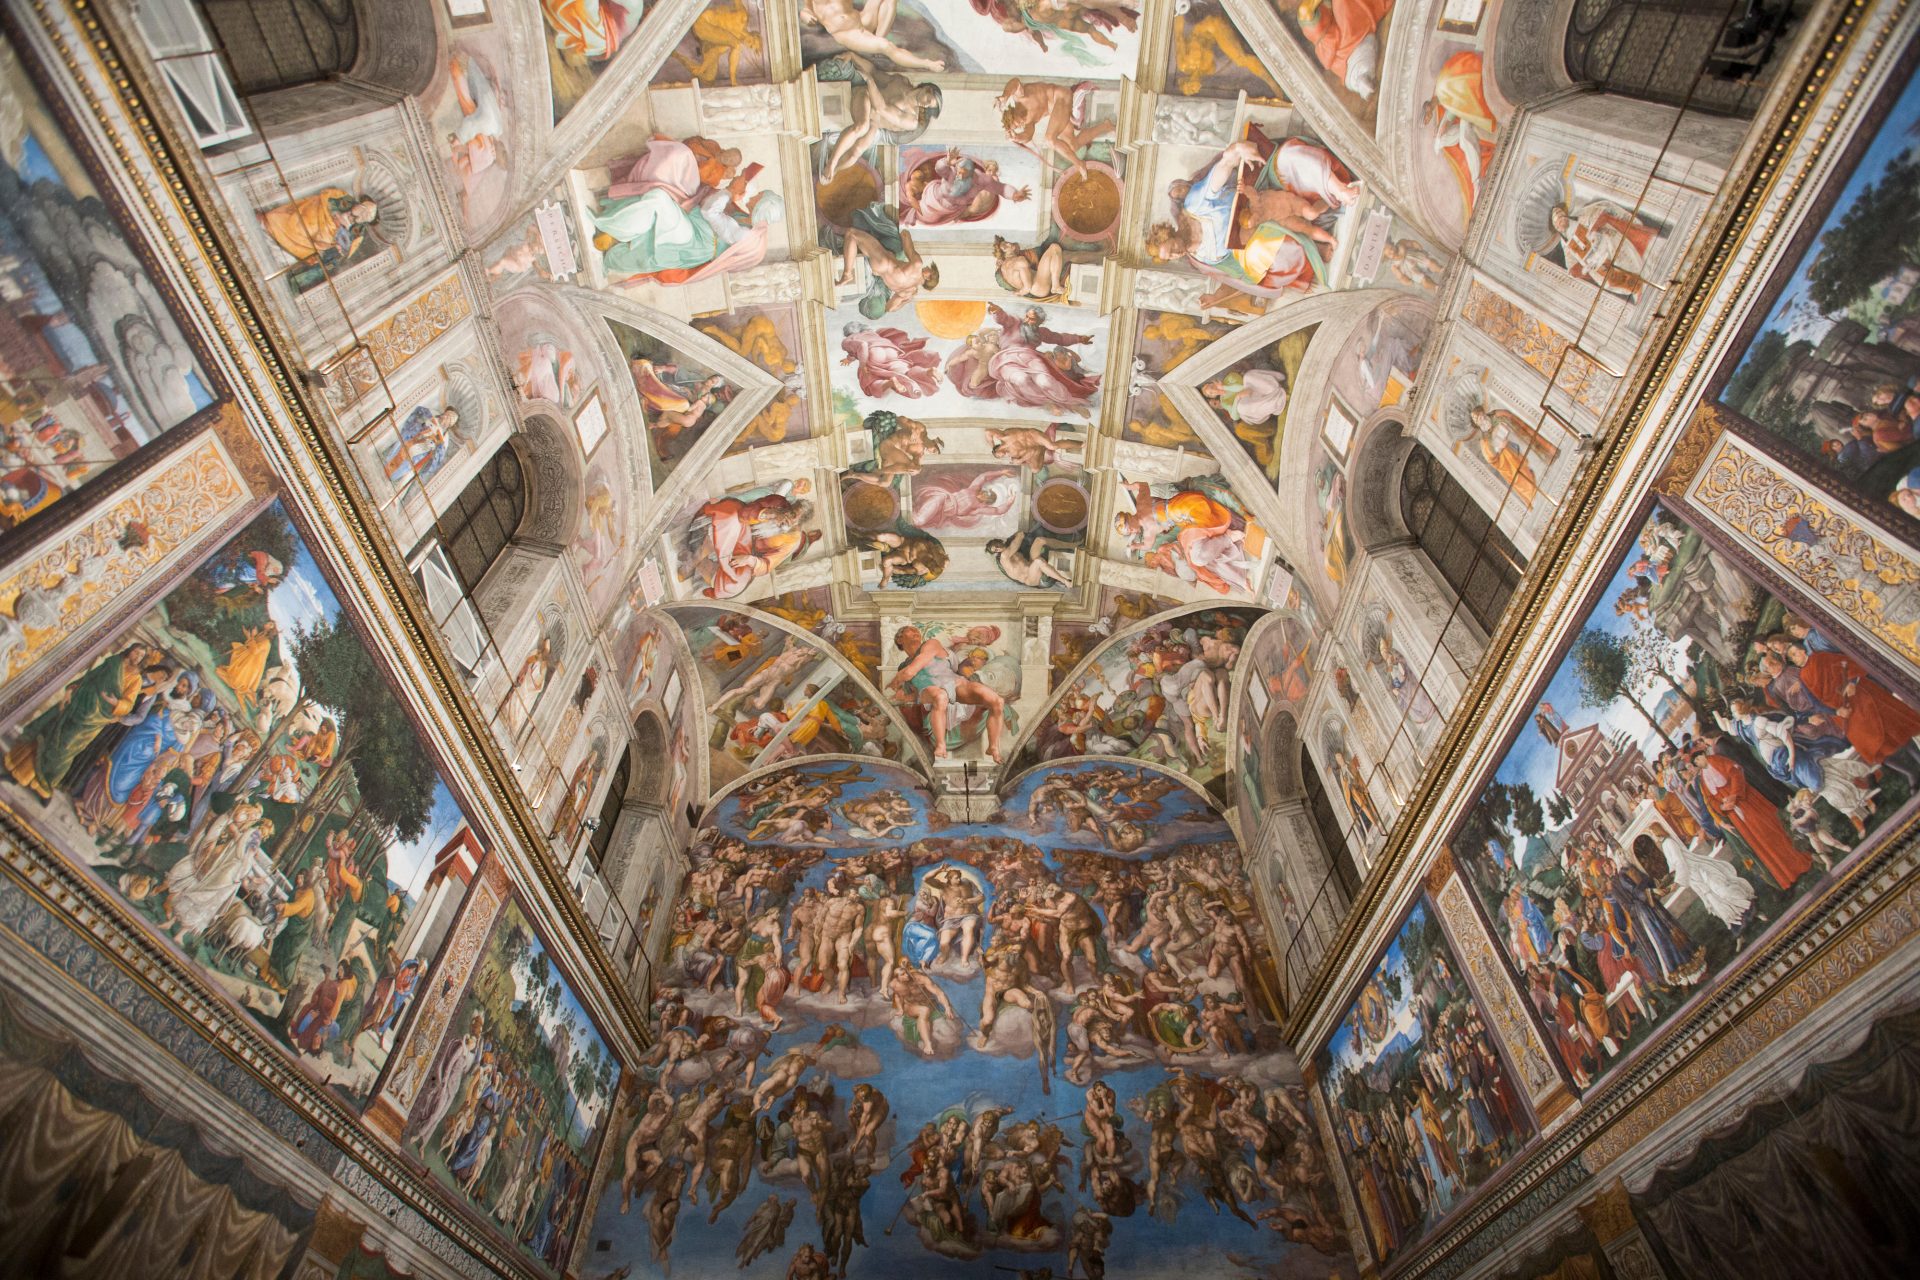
(114, 553)
(1816, 544)
(397, 339)
(1540, 347)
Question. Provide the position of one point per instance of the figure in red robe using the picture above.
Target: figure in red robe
(1878, 724)
(1735, 802)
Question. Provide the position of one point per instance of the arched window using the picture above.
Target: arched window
(1471, 554)
(482, 520)
(276, 44)
(610, 810)
(649, 747)
(1717, 57)
(1345, 880)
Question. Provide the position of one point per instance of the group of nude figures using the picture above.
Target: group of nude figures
(717, 1132)
(1147, 963)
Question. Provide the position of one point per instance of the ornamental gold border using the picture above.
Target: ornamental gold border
(1497, 688)
(85, 907)
(1839, 937)
(256, 343)
(301, 437)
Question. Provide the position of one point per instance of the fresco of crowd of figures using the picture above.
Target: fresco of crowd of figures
(1710, 751)
(886, 1039)
(905, 1044)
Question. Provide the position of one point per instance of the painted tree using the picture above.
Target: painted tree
(1604, 665)
(1877, 235)
(1506, 814)
(539, 969)
(393, 775)
(1559, 809)
(1765, 361)
(210, 604)
(586, 1072)
(1654, 657)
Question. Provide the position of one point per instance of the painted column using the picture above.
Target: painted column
(1507, 1017)
(1609, 1216)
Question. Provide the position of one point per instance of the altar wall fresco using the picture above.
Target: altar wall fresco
(892, 1042)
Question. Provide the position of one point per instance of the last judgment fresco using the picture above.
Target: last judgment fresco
(894, 1044)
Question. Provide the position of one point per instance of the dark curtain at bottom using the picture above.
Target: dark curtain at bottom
(99, 1179)
(1824, 1182)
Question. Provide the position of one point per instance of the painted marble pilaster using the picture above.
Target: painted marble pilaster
(1509, 1019)
(456, 964)
(1350, 1211)
(1609, 1216)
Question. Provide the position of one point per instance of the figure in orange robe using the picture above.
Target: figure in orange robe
(590, 30)
(1345, 38)
(324, 228)
(1210, 537)
(1463, 122)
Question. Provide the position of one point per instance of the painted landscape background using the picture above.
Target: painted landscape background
(1423, 1106)
(1834, 370)
(1701, 760)
(895, 1045)
(238, 769)
(514, 1106)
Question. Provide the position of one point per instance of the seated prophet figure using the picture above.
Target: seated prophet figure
(678, 216)
(741, 537)
(1190, 534)
(323, 231)
(1275, 216)
(589, 32)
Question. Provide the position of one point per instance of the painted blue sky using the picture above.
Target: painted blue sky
(1530, 759)
(1341, 1050)
(1794, 314)
(408, 865)
(303, 598)
(567, 1010)
(1197, 1242)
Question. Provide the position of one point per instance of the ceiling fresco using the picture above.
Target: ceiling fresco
(937, 1047)
(1005, 321)
(1159, 692)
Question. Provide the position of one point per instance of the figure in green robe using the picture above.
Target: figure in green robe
(51, 741)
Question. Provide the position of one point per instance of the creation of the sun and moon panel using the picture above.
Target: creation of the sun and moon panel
(973, 343)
